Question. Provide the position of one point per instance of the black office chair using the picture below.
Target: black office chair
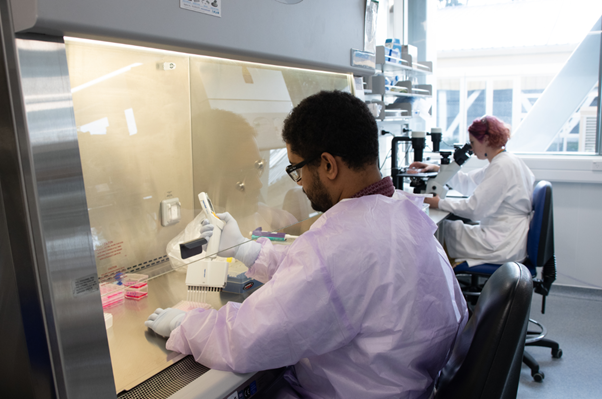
(485, 361)
(540, 253)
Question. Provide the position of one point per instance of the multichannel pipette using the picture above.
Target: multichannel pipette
(209, 274)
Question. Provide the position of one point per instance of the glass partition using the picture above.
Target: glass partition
(157, 126)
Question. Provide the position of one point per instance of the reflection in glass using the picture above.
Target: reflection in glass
(120, 90)
(147, 133)
(225, 154)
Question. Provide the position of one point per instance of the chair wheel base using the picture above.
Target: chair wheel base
(557, 353)
(538, 376)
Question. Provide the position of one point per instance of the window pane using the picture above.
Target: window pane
(475, 101)
(531, 89)
(579, 132)
(537, 76)
(502, 100)
(448, 110)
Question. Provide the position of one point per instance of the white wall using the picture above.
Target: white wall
(577, 196)
(578, 233)
(577, 192)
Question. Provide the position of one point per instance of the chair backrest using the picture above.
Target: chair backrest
(540, 240)
(486, 359)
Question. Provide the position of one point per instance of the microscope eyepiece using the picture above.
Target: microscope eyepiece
(462, 154)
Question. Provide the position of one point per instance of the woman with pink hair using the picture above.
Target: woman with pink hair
(499, 198)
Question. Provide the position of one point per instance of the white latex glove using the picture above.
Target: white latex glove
(206, 232)
(232, 243)
(163, 322)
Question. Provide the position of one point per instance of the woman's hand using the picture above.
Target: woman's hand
(421, 167)
(432, 201)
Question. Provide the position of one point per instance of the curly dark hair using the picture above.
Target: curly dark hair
(335, 122)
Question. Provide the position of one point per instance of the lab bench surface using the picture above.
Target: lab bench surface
(437, 215)
(137, 353)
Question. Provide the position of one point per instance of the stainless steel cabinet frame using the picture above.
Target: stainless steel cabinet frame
(51, 322)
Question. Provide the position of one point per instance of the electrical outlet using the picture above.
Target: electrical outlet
(597, 165)
(170, 211)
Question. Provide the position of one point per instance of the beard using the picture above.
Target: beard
(318, 195)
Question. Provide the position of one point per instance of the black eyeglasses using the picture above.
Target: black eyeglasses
(294, 171)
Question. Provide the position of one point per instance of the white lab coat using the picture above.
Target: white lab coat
(364, 305)
(500, 198)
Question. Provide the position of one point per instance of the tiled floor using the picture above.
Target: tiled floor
(574, 319)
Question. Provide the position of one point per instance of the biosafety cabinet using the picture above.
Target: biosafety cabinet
(114, 115)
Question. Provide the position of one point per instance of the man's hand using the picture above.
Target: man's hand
(231, 236)
(232, 243)
(163, 322)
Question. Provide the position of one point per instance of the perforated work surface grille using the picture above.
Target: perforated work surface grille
(167, 382)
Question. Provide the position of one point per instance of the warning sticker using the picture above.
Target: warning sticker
(109, 249)
(211, 7)
(85, 285)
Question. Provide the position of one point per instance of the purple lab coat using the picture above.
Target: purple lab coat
(364, 304)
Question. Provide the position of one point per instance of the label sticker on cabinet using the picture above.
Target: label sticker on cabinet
(211, 7)
(85, 285)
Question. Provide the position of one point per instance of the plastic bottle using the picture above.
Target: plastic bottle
(418, 122)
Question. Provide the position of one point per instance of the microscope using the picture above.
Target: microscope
(437, 185)
(416, 140)
(432, 182)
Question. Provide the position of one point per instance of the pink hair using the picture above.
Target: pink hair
(489, 126)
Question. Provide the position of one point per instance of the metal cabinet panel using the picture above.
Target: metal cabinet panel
(48, 249)
(311, 34)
